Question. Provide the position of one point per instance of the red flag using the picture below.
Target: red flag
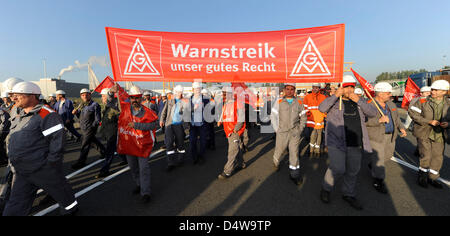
(250, 97)
(411, 91)
(108, 82)
(366, 85)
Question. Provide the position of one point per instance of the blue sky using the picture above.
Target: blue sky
(380, 35)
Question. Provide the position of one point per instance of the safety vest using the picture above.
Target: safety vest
(131, 141)
(315, 118)
(230, 118)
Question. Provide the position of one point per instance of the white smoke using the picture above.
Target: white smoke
(94, 60)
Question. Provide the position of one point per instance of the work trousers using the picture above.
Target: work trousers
(290, 139)
(235, 157)
(51, 180)
(431, 157)
(88, 137)
(198, 134)
(72, 129)
(382, 151)
(140, 172)
(174, 140)
(343, 164)
(111, 148)
(315, 140)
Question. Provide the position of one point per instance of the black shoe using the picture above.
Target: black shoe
(145, 199)
(297, 181)
(73, 212)
(325, 196)
(423, 179)
(195, 161)
(353, 202)
(78, 165)
(379, 185)
(170, 168)
(201, 160)
(136, 190)
(223, 176)
(435, 184)
(102, 175)
(369, 166)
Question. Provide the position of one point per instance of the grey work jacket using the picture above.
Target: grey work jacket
(377, 130)
(335, 130)
(286, 117)
(35, 139)
(422, 113)
(169, 109)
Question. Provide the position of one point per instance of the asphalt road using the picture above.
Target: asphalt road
(194, 190)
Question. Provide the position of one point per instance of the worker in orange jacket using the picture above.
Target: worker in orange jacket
(315, 118)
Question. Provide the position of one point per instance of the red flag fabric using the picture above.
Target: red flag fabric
(242, 90)
(411, 91)
(108, 82)
(366, 85)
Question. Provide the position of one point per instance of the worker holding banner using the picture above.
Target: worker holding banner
(346, 136)
(136, 139)
(289, 119)
(383, 130)
(431, 117)
(315, 122)
(233, 120)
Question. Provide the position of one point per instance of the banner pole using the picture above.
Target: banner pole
(374, 102)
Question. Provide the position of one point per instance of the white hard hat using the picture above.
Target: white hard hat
(348, 80)
(9, 83)
(289, 84)
(440, 85)
(358, 91)
(52, 95)
(302, 94)
(383, 87)
(169, 91)
(85, 90)
(41, 97)
(205, 91)
(147, 93)
(26, 88)
(227, 89)
(178, 88)
(60, 92)
(5, 94)
(105, 91)
(197, 85)
(316, 85)
(135, 91)
(425, 89)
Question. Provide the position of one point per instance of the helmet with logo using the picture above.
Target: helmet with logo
(135, 91)
(26, 88)
(440, 85)
(85, 90)
(383, 87)
(5, 94)
(9, 83)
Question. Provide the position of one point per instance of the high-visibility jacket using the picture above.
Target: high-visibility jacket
(233, 118)
(315, 118)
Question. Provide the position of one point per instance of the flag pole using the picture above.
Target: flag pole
(374, 102)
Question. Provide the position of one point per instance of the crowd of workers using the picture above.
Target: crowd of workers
(338, 121)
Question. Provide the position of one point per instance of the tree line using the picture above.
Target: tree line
(404, 74)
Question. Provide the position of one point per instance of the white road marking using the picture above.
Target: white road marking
(95, 185)
(394, 159)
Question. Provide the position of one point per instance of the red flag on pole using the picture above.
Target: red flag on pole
(108, 82)
(411, 91)
(366, 85)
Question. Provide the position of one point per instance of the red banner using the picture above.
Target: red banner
(411, 91)
(108, 82)
(300, 55)
(366, 85)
